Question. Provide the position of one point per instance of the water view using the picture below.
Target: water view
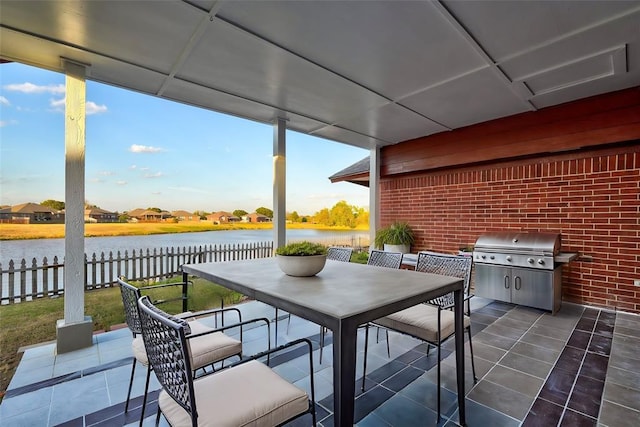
(16, 250)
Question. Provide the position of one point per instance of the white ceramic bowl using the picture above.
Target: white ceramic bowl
(301, 266)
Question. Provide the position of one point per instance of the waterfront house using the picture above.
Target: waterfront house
(148, 215)
(222, 217)
(185, 216)
(100, 215)
(255, 217)
(31, 213)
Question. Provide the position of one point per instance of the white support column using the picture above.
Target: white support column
(75, 330)
(279, 182)
(374, 193)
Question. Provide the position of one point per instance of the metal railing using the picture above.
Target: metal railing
(25, 282)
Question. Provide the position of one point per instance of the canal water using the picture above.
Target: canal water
(17, 250)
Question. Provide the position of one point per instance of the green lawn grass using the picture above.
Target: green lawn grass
(34, 322)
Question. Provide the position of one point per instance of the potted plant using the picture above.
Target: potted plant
(301, 259)
(397, 237)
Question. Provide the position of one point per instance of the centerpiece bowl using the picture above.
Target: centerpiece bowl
(301, 259)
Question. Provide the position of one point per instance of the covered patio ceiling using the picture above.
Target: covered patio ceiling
(364, 73)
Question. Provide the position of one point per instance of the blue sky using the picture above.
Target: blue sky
(146, 152)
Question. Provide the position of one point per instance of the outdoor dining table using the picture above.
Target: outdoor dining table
(341, 297)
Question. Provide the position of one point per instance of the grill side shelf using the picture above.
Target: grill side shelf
(566, 257)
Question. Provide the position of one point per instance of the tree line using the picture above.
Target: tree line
(341, 214)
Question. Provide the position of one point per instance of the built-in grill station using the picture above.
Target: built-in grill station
(520, 268)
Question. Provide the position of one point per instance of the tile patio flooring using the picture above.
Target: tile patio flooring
(580, 367)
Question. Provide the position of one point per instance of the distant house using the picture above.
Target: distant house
(31, 213)
(222, 217)
(147, 215)
(99, 215)
(185, 216)
(153, 216)
(135, 214)
(255, 217)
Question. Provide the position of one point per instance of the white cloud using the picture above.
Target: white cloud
(136, 148)
(4, 101)
(93, 108)
(106, 173)
(133, 167)
(90, 107)
(4, 123)
(31, 88)
(121, 182)
(154, 175)
(57, 104)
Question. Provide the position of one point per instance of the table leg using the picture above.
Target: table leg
(459, 341)
(344, 374)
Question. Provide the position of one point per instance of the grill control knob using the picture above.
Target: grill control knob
(541, 261)
(530, 260)
(508, 257)
(492, 257)
(484, 256)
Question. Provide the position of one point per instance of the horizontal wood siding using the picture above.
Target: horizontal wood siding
(599, 120)
(591, 195)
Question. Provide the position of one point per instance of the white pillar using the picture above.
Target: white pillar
(279, 183)
(374, 193)
(75, 330)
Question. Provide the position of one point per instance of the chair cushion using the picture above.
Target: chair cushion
(204, 350)
(139, 352)
(250, 394)
(210, 348)
(421, 321)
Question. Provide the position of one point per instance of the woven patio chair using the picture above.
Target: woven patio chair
(433, 321)
(208, 345)
(245, 393)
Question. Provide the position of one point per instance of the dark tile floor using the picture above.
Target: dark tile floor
(580, 367)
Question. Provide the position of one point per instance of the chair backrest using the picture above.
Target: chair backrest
(384, 259)
(166, 345)
(130, 296)
(446, 265)
(339, 254)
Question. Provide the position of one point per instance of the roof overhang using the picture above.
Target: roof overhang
(362, 73)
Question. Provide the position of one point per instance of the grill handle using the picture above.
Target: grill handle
(506, 282)
(518, 283)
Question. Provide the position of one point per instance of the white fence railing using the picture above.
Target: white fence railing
(24, 282)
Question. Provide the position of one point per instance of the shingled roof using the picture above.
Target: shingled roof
(357, 173)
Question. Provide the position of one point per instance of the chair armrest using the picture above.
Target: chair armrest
(183, 297)
(214, 311)
(235, 325)
(165, 285)
(270, 351)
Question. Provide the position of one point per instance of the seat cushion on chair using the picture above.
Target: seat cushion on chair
(139, 351)
(250, 394)
(421, 321)
(210, 348)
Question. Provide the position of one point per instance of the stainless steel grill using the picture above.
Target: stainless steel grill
(521, 268)
(533, 250)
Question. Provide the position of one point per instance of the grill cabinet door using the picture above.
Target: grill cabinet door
(493, 282)
(534, 288)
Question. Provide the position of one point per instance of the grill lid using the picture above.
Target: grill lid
(515, 242)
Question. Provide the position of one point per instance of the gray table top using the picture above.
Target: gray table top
(340, 292)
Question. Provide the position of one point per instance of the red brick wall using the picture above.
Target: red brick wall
(591, 197)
